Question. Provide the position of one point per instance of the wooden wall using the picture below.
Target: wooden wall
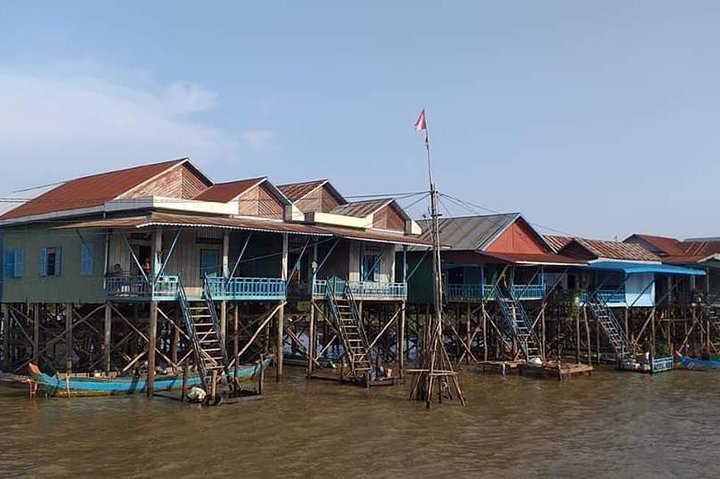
(388, 218)
(180, 182)
(517, 238)
(260, 201)
(319, 200)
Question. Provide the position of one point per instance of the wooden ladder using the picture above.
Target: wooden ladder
(611, 327)
(516, 318)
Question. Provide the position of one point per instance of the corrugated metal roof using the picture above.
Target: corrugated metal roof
(557, 242)
(361, 209)
(616, 250)
(225, 192)
(90, 191)
(163, 219)
(468, 232)
(635, 268)
(701, 248)
(298, 191)
(664, 245)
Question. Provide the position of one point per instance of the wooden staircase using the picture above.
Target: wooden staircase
(345, 315)
(611, 326)
(203, 328)
(517, 320)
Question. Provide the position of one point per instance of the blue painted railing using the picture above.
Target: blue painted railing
(487, 291)
(364, 289)
(659, 365)
(238, 288)
(136, 288)
(610, 297)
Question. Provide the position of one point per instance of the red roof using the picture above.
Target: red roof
(701, 248)
(298, 191)
(616, 250)
(557, 242)
(225, 192)
(90, 191)
(477, 257)
(666, 245)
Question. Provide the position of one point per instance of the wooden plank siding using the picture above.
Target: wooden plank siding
(259, 201)
(319, 200)
(180, 182)
(388, 218)
(517, 238)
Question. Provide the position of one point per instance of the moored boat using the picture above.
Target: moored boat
(694, 363)
(85, 386)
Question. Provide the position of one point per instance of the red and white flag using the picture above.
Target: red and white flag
(421, 123)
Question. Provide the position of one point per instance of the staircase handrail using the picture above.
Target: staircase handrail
(595, 300)
(356, 314)
(192, 333)
(503, 294)
(216, 324)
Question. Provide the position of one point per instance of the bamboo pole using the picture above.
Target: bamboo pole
(152, 341)
(36, 333)
(107, 337)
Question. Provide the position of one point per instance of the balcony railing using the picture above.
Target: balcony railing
(611, 297)
(238, 288)
(359, 289)
(487, 291)
(136, 288)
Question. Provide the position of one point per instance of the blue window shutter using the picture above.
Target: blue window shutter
(42, 262)
(9, 264)
(86, 259)
(58, 260)
(19, 263)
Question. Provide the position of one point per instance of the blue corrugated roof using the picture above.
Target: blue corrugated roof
(631, 268)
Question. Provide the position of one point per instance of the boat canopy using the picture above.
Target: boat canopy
(657, 268)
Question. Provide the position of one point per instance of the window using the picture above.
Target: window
(50, 261)
(371, 267)
(14, 264)
(86, 259)
(209, 262)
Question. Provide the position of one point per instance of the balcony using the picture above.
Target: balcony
(137, 288)
(610, 297)
(246, 289)
(477, 292)
(368, 290)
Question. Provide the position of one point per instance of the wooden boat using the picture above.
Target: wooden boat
(83, 387)
(693, 363)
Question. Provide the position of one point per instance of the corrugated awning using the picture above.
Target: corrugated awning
(636, 268)
(523, 259)
(164, 219)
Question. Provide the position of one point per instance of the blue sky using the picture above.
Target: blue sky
(592, 118)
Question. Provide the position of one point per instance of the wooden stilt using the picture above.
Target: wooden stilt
(311, 340)
(152, 341)
(6, 336)
(68, 337)
(107, 337)
(401, 341)
(36, 333)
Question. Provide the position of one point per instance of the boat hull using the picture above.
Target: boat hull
(693, 363)
(88, 387)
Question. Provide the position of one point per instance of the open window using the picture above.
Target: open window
(50, 261)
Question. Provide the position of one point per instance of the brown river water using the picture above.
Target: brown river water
(613, 424)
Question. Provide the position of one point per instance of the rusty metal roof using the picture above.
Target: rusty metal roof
(164, 219)
(298, 191)
(616, 250)
(377, 236)
(225, 192)
(663, 245)
(557, 242)
(89, 191)
(477, 257)
(361, 209)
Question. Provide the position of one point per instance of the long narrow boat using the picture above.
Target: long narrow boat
(693, 363)
(83, 387)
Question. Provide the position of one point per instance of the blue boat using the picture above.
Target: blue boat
(693, 363)
(82, 387)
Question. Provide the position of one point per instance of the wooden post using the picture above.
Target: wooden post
(543, 339)
(311, 339)
(468, 333)
(152, 340)
(176, 335)
(653, 333)
(236, 336)
(577, 334)
(107, 335)
(484, 329)
(6, 337)
(36, 333)
(186, 366)
(223, 321)
(587, 332)
(401, 341)
(281, 312)
(68, 336)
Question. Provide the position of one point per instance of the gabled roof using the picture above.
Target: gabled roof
(557, 242)
(702, 247)
(93, 190)
(225, 192)
(297, 191)
(663, 244)
(614, 250)
(362, 209)
(474, 232)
